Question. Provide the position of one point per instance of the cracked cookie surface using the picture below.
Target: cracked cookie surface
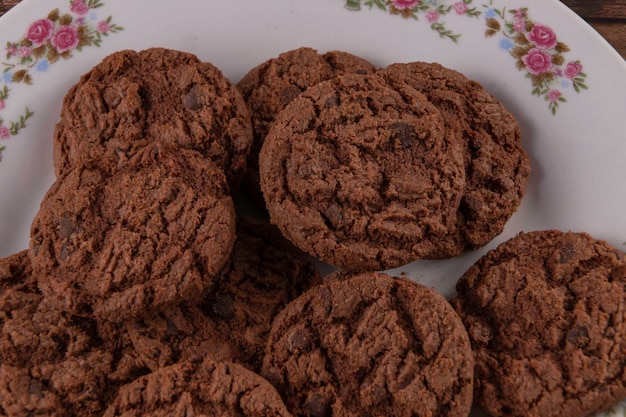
(497, 168)
(370, 345)
(271, 85)
(52, 363)
(154, 234)
(362, 175)
(133, 98)
(196, 388)
(232, 322)
(546, 316)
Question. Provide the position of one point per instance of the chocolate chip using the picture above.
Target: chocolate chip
(170, 329)
(578, 336)
(288, 94)
(403, 133)
(299, 340)
(192, 101)
(35, 388)
(333, 215)
(331, 102)
(317, 405)
(222, 306)
(566, 252)
(66, 227)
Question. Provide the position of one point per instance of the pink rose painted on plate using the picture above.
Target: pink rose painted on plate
(405, 4)
(460, 7)
(553, 96)
(542, 36)
(537, 61)
(432, 16)
(5, 133)
(79, 7)
(24, 51)
(572, 69)
(520, 13)
(65, 38)
(40, 31)
(103, 26)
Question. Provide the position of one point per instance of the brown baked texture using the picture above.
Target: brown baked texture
(362, 175)
(206, 388)
(271, 85)
(232, 322)
(154, 234)
(497, 168)
(52, 363)
(371, 345)
(546, 318)
(133, 98)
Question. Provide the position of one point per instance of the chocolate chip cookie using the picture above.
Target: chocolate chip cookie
(264, 273)
(497, 168)
(52, 363)
(133, 98)
(362, 175)
(370, 345)
(270, 86)
(152, 235)
(196, 388)
(546, 319)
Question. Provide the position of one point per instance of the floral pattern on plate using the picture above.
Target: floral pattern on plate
(45, 42)
(534, 46)
(432, 10)
(538, 53)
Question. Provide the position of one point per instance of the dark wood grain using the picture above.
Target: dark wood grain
(599, 9)
(608, 17)
(5, 5)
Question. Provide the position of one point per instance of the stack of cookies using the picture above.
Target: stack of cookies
(138, 263)
(145, 291)
(372, 169)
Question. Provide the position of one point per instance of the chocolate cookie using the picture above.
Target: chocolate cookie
(152, 235)
(370, 345)
(497, 168)
(205, 388)
(264, 273)
(133, 98)
(52, 363)
(362, 175)
(15, 270)
(546, 318)
(270, 86)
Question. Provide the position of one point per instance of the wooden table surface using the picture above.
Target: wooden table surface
(608, 17)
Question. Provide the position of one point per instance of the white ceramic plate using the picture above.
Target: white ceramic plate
(565, 85)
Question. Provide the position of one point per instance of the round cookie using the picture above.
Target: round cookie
(546, 319)
(152, 235)
(196, 388)
(370, 345)
(361, 175)
(52, 363)
(270, 86)
(264, 273)
(497, 168)
(133, 98)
